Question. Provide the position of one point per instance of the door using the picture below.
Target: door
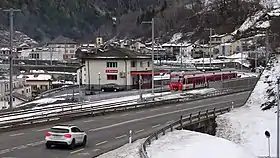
(77, 134)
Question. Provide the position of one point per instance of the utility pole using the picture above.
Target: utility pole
(266, 47)
(153, 50)
(210, 45)
(11, 17)
(278, 104)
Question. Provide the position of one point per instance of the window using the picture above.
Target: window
(148, 63)
(112, 77)
(75, 129)
(133, 63)
(112, 64)
(59, 130)
(26, 90)
(141, 64)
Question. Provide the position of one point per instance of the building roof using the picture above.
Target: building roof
(62, 40)
(111, 53)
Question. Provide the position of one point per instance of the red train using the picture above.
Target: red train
(183, 81)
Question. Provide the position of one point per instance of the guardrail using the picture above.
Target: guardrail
(51, 91)
(179, 124)
(67, 114)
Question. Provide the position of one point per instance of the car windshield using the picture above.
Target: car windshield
(59, 130)
(111, 85)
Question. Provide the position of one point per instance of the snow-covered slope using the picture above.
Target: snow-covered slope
(246, 125)
(184, 143)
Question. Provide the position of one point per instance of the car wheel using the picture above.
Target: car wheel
(48, 146)
(84, 141)
(73, 144)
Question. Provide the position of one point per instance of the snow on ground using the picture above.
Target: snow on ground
(250, 21)
(42, 101)
(176, 37)
(247, 74)
(263, 24)
(201, 91)
(246, 125)
(184, 143)
(132, 99)
(126, 151)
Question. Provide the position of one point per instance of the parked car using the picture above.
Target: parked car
(111, 87)
(68, 135)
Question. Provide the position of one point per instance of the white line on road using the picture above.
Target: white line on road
(95, 150)
(73, 152)
(141, 130)
(167, 107)
(179, 105)
(138, 112)
(44, 129)
(107, 117)
(158, 115)
(125, 115)
(17, 134)
(4, 151)
(121, 136)
(169, 122)
(154, 109)
(155, 126)
(87, 121)
(101, 143)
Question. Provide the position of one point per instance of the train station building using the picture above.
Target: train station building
(114, 65)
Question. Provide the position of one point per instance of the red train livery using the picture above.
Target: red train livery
(183, 81)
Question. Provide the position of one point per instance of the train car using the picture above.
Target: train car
(182, 81)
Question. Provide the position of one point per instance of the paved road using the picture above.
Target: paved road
(107, 132)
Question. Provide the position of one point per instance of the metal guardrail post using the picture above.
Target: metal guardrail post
(171, 128)
(207, 113)
(181, 122)
(199, 116)
(190, 117)
(214, 111)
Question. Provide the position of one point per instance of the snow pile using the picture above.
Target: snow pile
(246, 125)
(201, 91)
(247, 74)
(263, 24)
(250, 21)
(184, 143)
(126, 151)
(42, 101)
(176, 37)
(275, 12)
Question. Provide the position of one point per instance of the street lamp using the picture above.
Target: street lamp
(153, 50)
(99, 82)
(278, 104)
(267, 134)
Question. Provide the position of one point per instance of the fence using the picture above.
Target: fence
(179, 124)
(71, 112)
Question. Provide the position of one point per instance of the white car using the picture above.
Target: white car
(68, 135)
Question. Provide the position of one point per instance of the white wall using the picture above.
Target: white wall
(64, 49)
(96, 66)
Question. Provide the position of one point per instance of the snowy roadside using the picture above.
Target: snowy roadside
(246, 125)
(126, 151)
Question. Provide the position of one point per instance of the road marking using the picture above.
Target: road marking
(154, 109)
(101, 143)
(125, 115)
(179, 105)
(4, 151)
(17, 134)
(95, 150)
(107, 117)
(141, 130)
(138, 112)
(158, 115)
(169, 122)
(73, 152)
(167, 107)
(44, 129)
(87, 121)
(121, 136)
(155, 126)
